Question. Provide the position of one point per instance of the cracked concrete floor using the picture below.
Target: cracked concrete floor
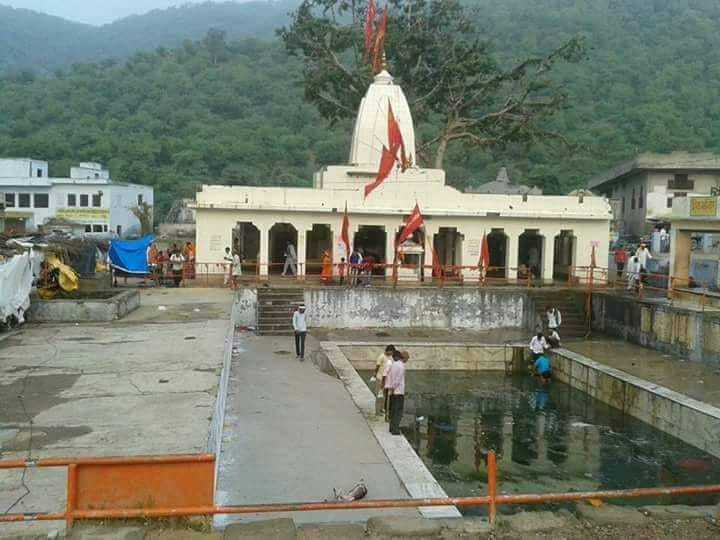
(143, 385)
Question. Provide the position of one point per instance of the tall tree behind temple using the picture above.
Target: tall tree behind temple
(445, 67)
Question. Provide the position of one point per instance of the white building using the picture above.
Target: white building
(89, 197)
(555, 232)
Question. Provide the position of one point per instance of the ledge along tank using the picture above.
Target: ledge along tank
(547, 439)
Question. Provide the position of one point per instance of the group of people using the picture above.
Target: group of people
(173, 264)
(389, 380)
(541, 343)
(635, 266)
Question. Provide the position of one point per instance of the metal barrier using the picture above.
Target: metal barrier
(193, 500)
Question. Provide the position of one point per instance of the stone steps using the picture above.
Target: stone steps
(275, 309)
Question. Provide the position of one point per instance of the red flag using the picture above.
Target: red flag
(484, 253)
(379, 46)
(387, 162)
(437, 270)
(395, 138)
(370, 27)
(414, 222)
(344, 236)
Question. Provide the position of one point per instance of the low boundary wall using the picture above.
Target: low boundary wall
(109, 306)
(692, 421)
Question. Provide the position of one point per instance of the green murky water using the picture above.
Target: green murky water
(547, 439)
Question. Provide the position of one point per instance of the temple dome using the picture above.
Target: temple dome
(371, 132)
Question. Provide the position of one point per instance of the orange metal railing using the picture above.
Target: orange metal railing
(87, 499)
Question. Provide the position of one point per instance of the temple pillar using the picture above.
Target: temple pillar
(430, 233)
(548, 254)
(512, 253)
(390, 232)
(264, 249)
(301, 251)
(680, 247)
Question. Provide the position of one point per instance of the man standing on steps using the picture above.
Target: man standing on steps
(395, 382)
(300, 328)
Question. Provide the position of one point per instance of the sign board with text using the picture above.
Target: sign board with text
(84, 214)
(703, 206)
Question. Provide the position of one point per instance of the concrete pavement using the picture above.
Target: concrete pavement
(292, 433)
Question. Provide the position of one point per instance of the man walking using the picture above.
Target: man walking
(300, 328)
(396, 387)
(290, 260)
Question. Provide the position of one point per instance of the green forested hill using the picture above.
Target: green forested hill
(171, 118)
(42, 43)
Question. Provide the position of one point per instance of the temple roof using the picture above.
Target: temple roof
(371, 124)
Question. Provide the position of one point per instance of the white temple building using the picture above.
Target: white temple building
(547, 234)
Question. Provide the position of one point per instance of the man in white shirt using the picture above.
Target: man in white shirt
(382, 366)
(236, 270)
(643, 255)
(554, 318)
(177, 261)
(300, 328)
(538, 345)
(395, 382)
(633, 272)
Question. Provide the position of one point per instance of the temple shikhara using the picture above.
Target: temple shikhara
(526, 234)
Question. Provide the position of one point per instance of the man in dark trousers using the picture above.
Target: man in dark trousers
(300, 328)
(395, 383)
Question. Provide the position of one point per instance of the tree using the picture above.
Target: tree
(449, 72)
(144, 213)
(215, 44)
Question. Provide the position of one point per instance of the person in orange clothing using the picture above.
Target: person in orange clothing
(327, 270)
(189, 254)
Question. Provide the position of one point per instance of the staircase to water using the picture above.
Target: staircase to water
(275, 309)
(572, 310)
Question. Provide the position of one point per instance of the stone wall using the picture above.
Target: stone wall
(477, 309)
(690, 420)
(683, 331)
(109, 306)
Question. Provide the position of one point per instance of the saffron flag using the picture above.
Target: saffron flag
(484, 261)
(370, 28)
(344, 236)
(414, 222)
(379, 46)
(395, 138)
(387, 162)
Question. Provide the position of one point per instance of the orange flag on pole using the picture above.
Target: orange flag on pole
(387, 162)
(379, 46)
(344, 236)
(370, 28)
(414, 222)
(395, 138)
(484, 253)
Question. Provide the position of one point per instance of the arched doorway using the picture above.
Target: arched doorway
(317, 241)
(246, 242)
(564, 255)
(497, 245)
(530, 254)
(448, 246)
(412, 260)
(371, 240)
(280, 235)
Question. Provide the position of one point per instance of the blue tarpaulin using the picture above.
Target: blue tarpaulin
(131, 255)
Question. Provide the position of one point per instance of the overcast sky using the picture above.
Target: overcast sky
(95, 11)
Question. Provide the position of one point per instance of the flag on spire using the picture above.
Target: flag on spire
(387, 162)
(413, 223)
(379, 45)
(395, 138)
(370, 27)
(344, 235)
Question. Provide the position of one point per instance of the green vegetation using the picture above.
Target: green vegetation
(236, 114)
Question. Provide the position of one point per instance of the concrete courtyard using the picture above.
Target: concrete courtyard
(143, 385)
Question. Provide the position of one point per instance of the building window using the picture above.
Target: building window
(9, 200)
(140, 199)
(622, 206)
(84, 200)
(39, 173)
(88, 228)
(72, 199)
(41, 200)
(97, 228)
(641, 202)
(669, 202)
(97, 200)
(681, 181)
(97, 175)
(24, 200)
(632, 200)
(105, 228)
